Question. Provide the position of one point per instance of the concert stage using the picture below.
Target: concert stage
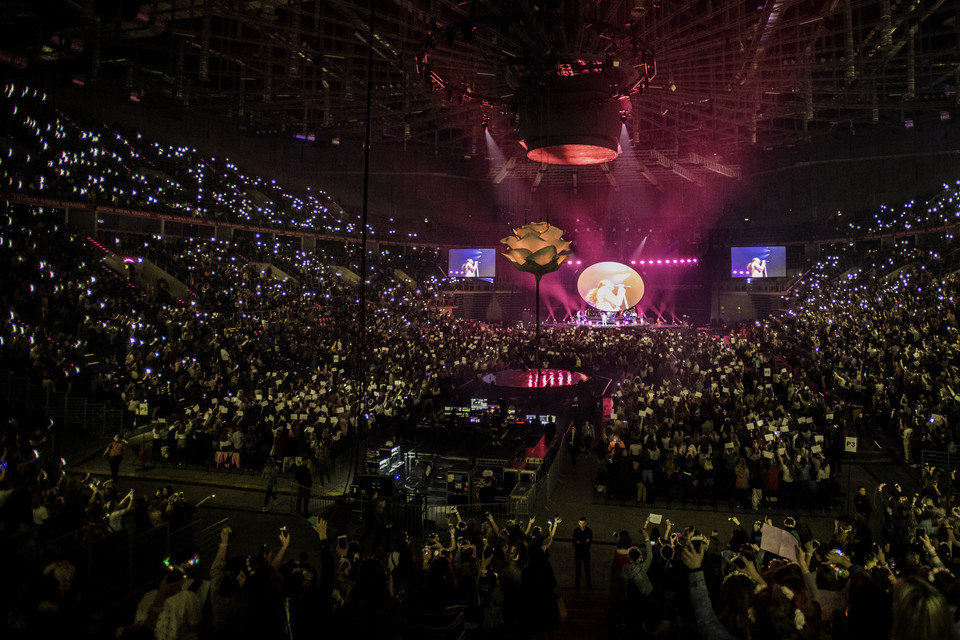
(533, 379)
(619, 325)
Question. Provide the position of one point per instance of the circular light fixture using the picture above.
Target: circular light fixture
(572, 121)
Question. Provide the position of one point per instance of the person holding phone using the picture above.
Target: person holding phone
(634, 574)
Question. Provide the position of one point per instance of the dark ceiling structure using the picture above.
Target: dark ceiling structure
(730, 76)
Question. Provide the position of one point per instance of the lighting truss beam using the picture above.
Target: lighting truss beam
(605, 167)
(541, 171)
(667, 163)
(716, 167)
(502, 174)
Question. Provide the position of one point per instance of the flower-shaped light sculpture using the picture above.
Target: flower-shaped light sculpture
(537, 248)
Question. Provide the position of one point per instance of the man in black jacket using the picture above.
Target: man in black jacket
(582, 537)
(304, 479)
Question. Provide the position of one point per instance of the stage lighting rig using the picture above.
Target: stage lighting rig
(566, 80)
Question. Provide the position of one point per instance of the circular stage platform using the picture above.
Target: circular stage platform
(527, 378)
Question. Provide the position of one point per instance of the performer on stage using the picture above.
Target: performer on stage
(471, 268)
(607, 296)
(757, 268)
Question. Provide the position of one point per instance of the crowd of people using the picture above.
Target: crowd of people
(777, 580)
(57, 155)
(479, 578)
(263, 360)
(473, 580)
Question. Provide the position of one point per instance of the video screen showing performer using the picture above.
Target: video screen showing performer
(471, 268)
(610, 286)
(758, 262)
(472, 263)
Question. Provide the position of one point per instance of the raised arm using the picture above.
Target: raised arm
(221, 558)
(327, 565)
(529, 526)
(128, 501)
(277, 559)
(211, 496)
(708, 626)
(493, 524)
(551, 532)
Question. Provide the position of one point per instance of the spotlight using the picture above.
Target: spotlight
(484, 122)
(623, 116)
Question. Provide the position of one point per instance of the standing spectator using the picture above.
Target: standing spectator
(540, 591)
(114, 454)
(587, 436)
(115, 512)
(862, 504)
(304, 480)
(634, 574)
(907, 435)
(573, 444)
(742, 481)
(269, 477)
(582, 537)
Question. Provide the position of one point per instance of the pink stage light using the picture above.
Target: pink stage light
(660, 261)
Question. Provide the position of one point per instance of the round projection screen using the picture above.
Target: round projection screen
(610, 286)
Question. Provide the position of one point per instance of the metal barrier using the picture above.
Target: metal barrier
(940, 460)
(23, 392)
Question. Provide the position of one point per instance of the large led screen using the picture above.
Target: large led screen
(472, 263)
(758, 262)
(610, 286)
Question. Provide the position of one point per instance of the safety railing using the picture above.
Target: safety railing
(942, 461)
(26, 393)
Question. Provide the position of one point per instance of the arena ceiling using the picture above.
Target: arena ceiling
(731, 76)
